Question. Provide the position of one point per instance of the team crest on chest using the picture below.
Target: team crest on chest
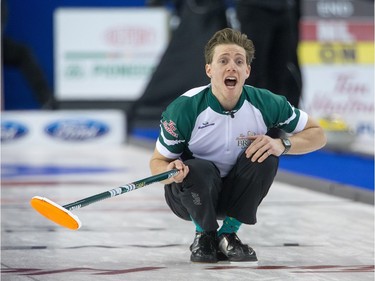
(243, 140)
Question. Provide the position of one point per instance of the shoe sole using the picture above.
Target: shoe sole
(244, 260)
(203, 261)
(196, 260)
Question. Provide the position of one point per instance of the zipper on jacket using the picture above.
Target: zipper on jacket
(228, 128)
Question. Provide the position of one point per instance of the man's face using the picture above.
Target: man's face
(228, 72)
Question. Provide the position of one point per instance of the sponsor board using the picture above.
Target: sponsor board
(336, 53)
(343, 90)
(338, 9)
(63, 128)
(106, 53)
(337, 31)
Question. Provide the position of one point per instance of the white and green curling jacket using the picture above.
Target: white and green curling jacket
(195, 125)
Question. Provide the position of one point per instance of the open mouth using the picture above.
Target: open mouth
(230, 81)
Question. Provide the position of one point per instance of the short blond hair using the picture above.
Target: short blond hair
(229, 36)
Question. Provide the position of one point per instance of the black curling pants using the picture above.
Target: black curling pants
(206, 197)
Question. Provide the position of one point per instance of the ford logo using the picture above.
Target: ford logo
(76, 130)
(12, 130)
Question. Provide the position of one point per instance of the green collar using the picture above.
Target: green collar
(214, 103)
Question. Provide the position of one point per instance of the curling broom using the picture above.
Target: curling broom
(63, 216)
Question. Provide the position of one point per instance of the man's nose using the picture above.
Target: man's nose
(231, 66)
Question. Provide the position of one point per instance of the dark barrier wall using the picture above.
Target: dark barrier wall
(31, 24)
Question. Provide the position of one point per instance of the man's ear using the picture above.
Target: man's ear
(248, 71)
(208, 70)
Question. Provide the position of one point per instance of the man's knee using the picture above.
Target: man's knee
(270, 164)
(268, 167)
(201, 170)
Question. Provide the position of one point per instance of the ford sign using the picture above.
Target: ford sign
(11, 130)
(76, 129)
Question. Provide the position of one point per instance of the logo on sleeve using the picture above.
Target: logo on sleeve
(170, 127)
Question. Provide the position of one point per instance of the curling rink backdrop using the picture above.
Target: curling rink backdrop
(317, 223)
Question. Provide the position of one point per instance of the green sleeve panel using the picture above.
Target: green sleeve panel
(276, 110)
(178, 121)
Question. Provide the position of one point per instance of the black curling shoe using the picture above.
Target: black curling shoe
(231, 246)
(204, 247)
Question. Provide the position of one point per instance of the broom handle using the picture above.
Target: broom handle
(120, 190)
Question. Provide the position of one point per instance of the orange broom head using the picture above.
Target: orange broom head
(55, 212)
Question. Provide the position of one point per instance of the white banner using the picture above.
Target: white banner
(107, 53)
(62, 128)
(343, 90)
